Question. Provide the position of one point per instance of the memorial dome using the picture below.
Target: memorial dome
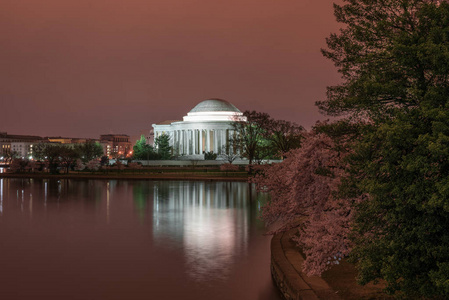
(208, 127)
(211, 105)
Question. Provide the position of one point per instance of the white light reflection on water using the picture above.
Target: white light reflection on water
(211, 220)
(201, 237)
(1, 196)
(45, 192)
(107, 202)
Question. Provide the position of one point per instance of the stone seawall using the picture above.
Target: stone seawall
(286, 269)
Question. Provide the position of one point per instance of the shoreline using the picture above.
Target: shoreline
(286, 270)
(158, 176)
(339, 282)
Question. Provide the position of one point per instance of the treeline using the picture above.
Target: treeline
(161, 151)
(59, 156)
(263, 137)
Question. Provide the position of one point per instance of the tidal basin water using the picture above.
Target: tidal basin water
(118, 239)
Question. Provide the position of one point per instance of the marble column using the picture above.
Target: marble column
(183, 141)
(217, 141)
(195, 140)
(200, 137)
(223, 141)
(186, 143)
(178, 133)
(173, 140)
(190, 141)
(207, 140)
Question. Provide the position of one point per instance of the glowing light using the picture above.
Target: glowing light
(107, 202)
(45, 204)
(1, 196)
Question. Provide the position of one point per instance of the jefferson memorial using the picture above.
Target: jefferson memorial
(208, 127)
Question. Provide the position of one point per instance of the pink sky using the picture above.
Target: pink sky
(83, 68)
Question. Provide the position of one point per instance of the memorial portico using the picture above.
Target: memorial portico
(208, 127)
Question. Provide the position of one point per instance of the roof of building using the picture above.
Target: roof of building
(4, 135)
(112, 134)
(167, 122)
(214, 105)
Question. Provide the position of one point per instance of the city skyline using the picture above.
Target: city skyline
(89, 68)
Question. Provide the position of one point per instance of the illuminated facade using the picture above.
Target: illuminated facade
(208, 127)
(116, 145)
(20, 145)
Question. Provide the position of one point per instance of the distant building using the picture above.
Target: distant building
(60, 140)
(208, 127)
(116, 145)
(67, 140)
(21, 145)
(150, 137)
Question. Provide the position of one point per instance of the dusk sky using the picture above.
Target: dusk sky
(84, 68)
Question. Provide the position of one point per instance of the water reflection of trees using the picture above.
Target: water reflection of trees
(142, 195)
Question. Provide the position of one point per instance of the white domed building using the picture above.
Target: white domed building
(208, 127)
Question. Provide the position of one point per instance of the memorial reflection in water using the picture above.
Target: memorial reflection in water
(211, 220)
(203, 237)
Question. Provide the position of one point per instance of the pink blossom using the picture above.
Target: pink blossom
(93, 165)
(302, 188)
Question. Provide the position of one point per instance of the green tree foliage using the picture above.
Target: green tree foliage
(10, 155)
(210, 155)
(263, 137)
(162, 144)
(251, 136)
(394, 60)
(56, 155)
(284, 136)
(143, 151)
(89, 150)
(50, 153)
(104, 161)
(67, 157)
(38, 151)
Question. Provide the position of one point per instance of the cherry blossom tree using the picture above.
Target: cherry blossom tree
(93, 165)
(303, 189)
(79, 165)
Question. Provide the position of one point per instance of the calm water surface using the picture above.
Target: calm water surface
(94, 239)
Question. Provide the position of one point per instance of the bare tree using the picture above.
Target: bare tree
(227, 154)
